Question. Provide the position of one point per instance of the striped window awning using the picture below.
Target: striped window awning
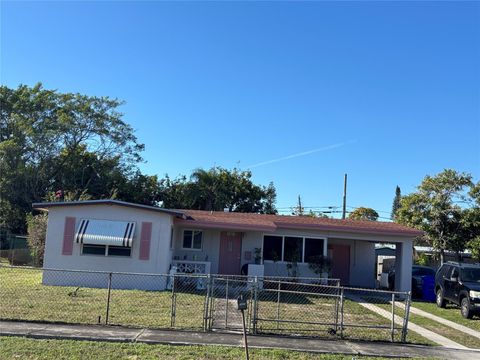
(105, 232)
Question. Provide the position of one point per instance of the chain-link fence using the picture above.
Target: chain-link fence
(301, 306)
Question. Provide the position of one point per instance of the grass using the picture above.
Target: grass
(436, 327)
(444, 330)
(322, 309)
(23, 297)
(451, 313)
(22, 348)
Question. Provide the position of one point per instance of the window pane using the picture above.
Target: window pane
(313, 249)
(272, 248)
(93, 249)
(119, 251)
(197, 240)
(293, 249)
(187, 239)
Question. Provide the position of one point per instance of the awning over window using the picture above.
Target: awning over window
(105, 232)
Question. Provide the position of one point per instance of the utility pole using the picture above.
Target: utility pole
(344, 211)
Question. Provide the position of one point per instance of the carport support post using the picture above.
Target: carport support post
(108, 297)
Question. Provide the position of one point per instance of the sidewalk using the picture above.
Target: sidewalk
(428, 334)
(122, 334)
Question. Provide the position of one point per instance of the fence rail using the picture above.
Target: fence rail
(287, 306)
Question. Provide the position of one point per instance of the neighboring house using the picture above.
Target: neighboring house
(111, 235)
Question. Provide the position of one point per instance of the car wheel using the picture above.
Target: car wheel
(467, 313)
(440, 300)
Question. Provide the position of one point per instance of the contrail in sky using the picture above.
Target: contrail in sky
(325, 148)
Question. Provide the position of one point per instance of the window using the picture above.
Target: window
(106, 250)
(313, 249)
(272, 248)
(94, 249)
(292, 248)
(192, 239)
(119, 251)
(171, 238)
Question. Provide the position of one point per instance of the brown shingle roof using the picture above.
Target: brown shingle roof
(271, 222)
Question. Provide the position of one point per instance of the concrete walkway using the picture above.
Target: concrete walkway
(443, 321)
(121, 334)
(428, 334)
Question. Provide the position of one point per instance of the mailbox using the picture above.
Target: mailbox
(241, 303)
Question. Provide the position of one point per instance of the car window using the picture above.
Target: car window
(471, 274)
(447, 271)
(454, 273)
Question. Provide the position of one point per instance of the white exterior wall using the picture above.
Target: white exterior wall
(210, 247)
(362, 251)
(160, 253)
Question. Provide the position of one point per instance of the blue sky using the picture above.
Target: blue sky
(386, 92)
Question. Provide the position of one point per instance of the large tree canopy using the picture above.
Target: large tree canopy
(218, 189)
(53, 141)
(446, 207)
(73, 147)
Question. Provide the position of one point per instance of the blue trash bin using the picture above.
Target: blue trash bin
(428, 288)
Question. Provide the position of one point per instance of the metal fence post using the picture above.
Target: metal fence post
(226, 305)
(212, 304)
(405, 318)
(174, 300)
(341, 311)
(207, 303)
(108, 297)
(336, 306)
(255, 304)
(393, 318)
(278, 304)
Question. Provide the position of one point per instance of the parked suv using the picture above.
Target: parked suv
(459, 284)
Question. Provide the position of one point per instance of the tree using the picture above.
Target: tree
(53, 141)
(474, 246)
(435, 209)
(217, 189)
(37, 233)
(363, 213)
(396, 202)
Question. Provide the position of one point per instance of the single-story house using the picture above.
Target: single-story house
(116, 236)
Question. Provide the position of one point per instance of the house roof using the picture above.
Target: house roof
(46, 205)
(250, 221)
(262, 222)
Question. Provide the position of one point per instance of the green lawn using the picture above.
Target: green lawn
(322, 309)
(446, 331)
(451, 313)
(23, 297)
(31, 349)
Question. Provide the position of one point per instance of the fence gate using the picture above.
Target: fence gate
(308, 309)
(222, 303)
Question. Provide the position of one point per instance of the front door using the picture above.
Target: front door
(340, 255)
(230, 251)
